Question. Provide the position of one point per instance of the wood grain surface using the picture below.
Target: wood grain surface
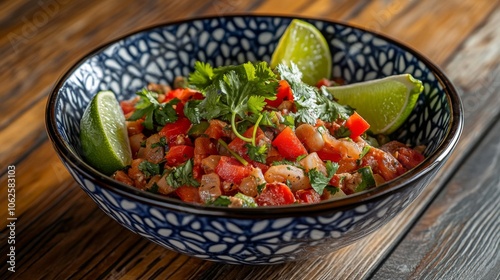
(450, 232)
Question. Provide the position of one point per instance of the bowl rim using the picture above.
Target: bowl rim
(442, 152)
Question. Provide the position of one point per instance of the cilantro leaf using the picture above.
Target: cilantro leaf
(156, 114)
(192, 112)
(222, 201)
(236, 91)
(149, 169)
(162, 143)
(257, 153)
(310, 103)
(153, 189)
(318, 180)
(260, 188)
(202, 76)
(248, 202)
(182, 175)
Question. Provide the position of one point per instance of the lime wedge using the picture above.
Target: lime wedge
(103, 134)
(305, 46)
(384, 103)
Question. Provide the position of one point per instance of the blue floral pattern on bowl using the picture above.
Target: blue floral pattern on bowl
(161, 53)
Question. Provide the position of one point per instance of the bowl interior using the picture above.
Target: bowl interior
(161, 53)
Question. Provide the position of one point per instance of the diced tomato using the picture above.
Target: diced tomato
(127, 106)
(230, 169)
(275, 194)
(188, 194)
(288, 144)
(216, 129)
(239, 146)
(323, 82)
(172, 130)
(183, 94)
(357, 125)
(179, 109)
(329, 154)
(307, 196)
(179, 154)
(284, 92)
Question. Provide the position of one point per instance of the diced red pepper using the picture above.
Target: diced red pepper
(357, 125)
(172, 130)
(179, 154)
(288, 144)
(275, 194)
(188, 194)
(307, 196)
(284, 92)
(230, 169)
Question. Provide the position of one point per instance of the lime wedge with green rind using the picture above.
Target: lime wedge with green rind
(384, 103)
(304, 45)
(103, 134)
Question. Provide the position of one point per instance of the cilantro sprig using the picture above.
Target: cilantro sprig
(318, 180)
(311, 103)
(156, 114)
(182, 175)
(235, 92)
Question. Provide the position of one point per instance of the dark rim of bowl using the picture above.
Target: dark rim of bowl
(404, 181)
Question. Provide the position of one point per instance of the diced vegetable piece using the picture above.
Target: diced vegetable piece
(288, 144)
(249, 185)
(284, 92)
(357, 125)
(307, 196)
(134, 127)
(217, 129)
(310, 137)
(179, 154)
(154, 151)
(188, 194)
(231, 170)
(172, 130)
(288, 174)
(367, 179)
(313, 161)
(275, 194)
(210, 187)
(163, 186)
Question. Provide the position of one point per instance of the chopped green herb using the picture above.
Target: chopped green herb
(153, 188)
(342, 132)
(222, 201)
(318, 180)
(149, 169)
(248, 202)
(257, 153)
(182, 175)
(156, 114)
(365, 150)
(162, 143)
(310, 102)
(233, 92)
(331, 189)
(260, 188)
(289, 120)
(367, 179)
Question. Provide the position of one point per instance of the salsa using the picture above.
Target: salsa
(248, 136)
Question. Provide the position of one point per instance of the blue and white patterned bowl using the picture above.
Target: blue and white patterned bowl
(261, 235)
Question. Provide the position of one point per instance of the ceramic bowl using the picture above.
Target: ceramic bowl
(261, 235)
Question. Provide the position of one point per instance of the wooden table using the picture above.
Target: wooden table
(452, 231)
